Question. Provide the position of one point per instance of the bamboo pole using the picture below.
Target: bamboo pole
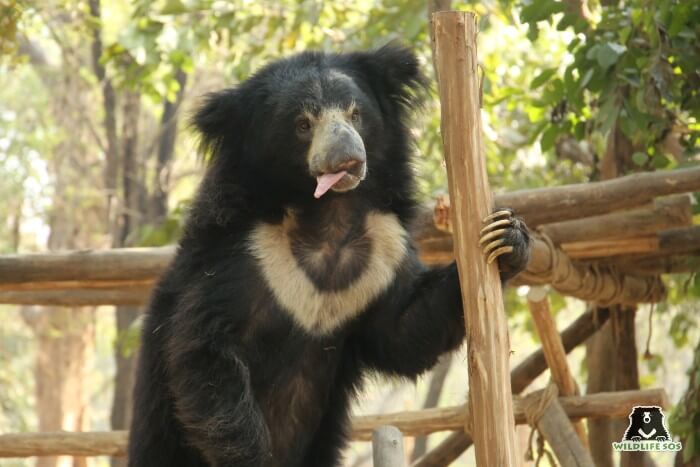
(522, 375)
(412, 423)
(553, 350)
(485, 320)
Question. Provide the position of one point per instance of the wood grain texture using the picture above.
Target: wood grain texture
(556, 204)
(556, 428)
(553, 348)
(664, 213)
(88, 265)
(488, 345)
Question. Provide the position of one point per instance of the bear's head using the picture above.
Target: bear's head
(646, 424)
(315, 125)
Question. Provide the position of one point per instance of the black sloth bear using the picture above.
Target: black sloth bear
(295, 274)
(646, 424)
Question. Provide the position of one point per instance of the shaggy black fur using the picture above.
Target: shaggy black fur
(226, 377)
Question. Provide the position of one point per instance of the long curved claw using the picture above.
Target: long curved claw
(493, 245)
(491, 235)
(493, 225)
(496, 215)
(495, 254)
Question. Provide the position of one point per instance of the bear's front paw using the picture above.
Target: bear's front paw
(506, 238)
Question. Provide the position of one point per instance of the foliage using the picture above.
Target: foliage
(636, 67)
(685, 420)
(553, 80)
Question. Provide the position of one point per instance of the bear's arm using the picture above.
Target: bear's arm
(419, 318)
(210, 385)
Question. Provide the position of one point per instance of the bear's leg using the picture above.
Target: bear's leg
(156, 439)
(215, 405)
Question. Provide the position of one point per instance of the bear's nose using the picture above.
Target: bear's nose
(347, 152)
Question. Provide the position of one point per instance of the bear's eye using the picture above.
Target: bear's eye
(355, 116)
(303, 125)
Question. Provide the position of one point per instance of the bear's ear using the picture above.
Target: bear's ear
(394, 72)
(217, 119)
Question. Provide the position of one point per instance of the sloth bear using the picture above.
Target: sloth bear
(646, 424)
(295, 274)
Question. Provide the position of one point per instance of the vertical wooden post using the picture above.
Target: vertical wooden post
(487, 333)
(553, 349)
(387, 447)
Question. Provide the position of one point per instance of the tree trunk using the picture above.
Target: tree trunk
(139, 209)
(65, 342)
(688, 413)
(130, 219)
(601, 378)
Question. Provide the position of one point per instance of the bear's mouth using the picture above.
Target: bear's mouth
(341, 181)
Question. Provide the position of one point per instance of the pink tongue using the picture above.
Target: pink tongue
(326, 182)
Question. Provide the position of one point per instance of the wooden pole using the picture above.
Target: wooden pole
(554, 425)
(387, 447)
(522, 375)
(552, 346)
(487, 332)
(553, 349)
(420, 422)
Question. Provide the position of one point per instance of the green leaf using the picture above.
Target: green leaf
(586, 78)
(660, 161)
(542, 78)
(679, 19)
(608, 54)
(548, 138)
(640, 158)
(173, 7)
(533, 31)
(541, 10)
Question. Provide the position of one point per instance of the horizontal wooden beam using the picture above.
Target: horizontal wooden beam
(117, 287)
(547, 205)
(119, 264)
(411, 423)
(63, 443)
(553, 204)
(664, 213)
(549, 265)
(676, 241)
(78, 297)
(655, 265)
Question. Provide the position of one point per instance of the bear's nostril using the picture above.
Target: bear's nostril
(348, 164)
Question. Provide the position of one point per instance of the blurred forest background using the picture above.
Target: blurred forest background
(95, 152)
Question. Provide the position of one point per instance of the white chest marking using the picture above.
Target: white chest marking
(317, 311)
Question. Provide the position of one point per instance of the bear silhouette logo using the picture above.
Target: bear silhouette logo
(647, 424)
